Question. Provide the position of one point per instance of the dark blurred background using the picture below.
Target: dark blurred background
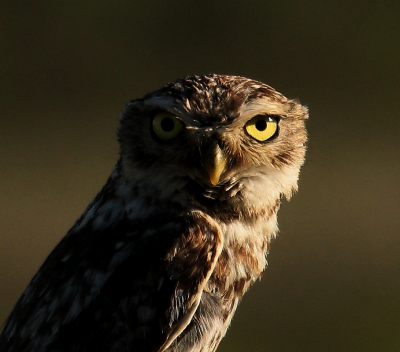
(67, 68)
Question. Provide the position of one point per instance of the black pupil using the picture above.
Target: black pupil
(261, 125)
(167, 124)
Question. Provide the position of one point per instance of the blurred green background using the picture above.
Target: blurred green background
(67, 68)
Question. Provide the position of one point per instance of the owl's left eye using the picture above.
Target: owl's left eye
(262, 127)
(166, 126)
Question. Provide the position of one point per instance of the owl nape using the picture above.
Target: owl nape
(162, 256)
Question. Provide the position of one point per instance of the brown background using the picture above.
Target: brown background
(68, 67)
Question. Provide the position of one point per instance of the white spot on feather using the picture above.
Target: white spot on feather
(108, 213)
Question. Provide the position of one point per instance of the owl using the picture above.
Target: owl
(162, 256)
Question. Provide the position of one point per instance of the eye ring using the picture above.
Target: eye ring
(166, 126)
(262, 127)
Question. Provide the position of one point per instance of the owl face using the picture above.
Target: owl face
(224, 134)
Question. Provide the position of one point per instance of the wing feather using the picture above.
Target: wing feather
(193, 260)
(135, 283)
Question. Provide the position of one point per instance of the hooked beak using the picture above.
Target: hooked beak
(214, 162)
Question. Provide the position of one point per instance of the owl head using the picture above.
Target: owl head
(224, 137)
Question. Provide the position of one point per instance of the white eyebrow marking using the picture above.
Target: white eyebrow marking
(263, 106)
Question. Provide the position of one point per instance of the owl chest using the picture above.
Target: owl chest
(241, 262)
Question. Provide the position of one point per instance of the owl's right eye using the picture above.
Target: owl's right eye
(166, 126)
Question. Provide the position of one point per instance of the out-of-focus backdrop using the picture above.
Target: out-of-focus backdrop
(67, 68)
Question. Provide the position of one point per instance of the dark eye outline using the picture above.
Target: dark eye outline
(157, 131)
(270, 118)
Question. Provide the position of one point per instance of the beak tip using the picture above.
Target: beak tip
(214, 181)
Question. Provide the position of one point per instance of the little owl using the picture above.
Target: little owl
(162, 256)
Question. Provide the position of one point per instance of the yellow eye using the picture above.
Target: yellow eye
(262, 127)
(166, 126)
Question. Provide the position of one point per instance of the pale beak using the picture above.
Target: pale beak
(214, 162)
